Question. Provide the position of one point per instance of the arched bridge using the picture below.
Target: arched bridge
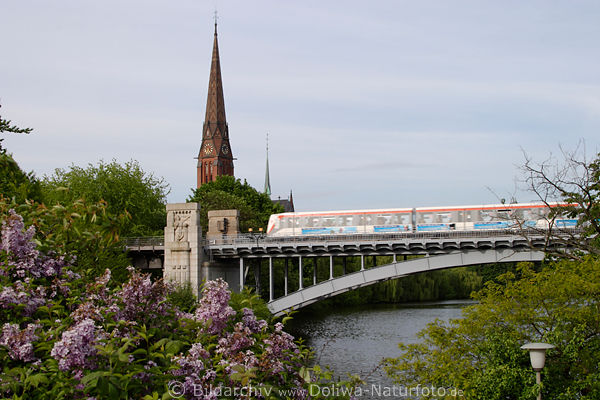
(433, 250)
(367, 277)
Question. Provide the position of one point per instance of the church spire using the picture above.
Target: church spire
(215, 158)
(215, 103)
(267, 178)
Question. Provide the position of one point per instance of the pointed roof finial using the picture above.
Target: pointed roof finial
(216, 18)
(267, 177)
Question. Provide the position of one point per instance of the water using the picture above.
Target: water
(355, 340)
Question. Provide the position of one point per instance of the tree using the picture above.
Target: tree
(560, 304)
(480, 353)
(80, 230)
(230, 193)
(575, 182)
(126, 189)
(14, 182)
(5, 126)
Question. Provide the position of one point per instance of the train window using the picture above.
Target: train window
(427, 218)
(503, 215)
(485, 215)
(382, 219)
(328, 221)
(306, 221)
(472, 215)
(444, 217)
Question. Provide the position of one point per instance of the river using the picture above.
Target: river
(355, 340)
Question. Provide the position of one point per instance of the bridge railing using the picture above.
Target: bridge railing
(148, 241)
(258, 239)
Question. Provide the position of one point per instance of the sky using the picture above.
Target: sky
(368, 104)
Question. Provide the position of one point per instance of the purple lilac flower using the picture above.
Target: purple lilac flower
(236, 341)
(197, 377)
(19, 342)
(249, 319)
(23, 258)
(142, 300)
(280, 346)
(18, 294)
(213, 307)
(76, 347)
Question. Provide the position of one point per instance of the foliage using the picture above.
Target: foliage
(248, 298)
(126, 189)
(480, 354)
(63, 339)
(576, 182)
(85, 232)
(182, 296)
(15, 183)
(6, 126)
(229, 193)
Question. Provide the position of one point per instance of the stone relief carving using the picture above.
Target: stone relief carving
(181, 223)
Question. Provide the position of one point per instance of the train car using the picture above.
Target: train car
(422, 219)
(341, 222)
(486, 217)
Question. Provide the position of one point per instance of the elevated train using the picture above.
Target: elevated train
(423, 219)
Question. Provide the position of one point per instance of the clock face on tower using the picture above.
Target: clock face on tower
(225, 149)
(208, 149)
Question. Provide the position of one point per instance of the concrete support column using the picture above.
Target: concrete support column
(270, 279)
(241, 274)
(315, 271)
(285, 277)
(362, 262)
(257, 275)
(395, 258)
(330, 267)
(183, 245)
(300, 277)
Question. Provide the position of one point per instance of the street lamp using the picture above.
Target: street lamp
(537, 355)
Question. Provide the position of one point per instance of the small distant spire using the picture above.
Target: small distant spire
(216, 18)
(267, 178)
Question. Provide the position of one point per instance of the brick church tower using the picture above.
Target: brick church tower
(215, 158)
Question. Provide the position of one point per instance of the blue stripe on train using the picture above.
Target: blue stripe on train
(392, 228)
(491, 225)
(566, 223)
(432, 227)
(328, 231)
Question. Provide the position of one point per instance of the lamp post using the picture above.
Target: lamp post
(537, 355)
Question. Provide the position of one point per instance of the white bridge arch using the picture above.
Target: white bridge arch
(366, 277)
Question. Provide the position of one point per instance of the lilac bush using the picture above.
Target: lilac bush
(19, 342)
(63, 338)
(213, 307)
(76, 348)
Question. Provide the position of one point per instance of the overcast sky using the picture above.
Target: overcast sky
(368, 104)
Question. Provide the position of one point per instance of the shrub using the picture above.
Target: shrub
(67, 339)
